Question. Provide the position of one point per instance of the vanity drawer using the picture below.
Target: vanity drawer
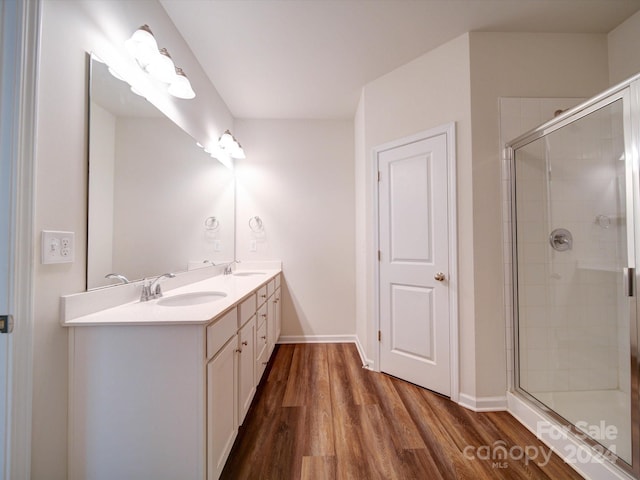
(262, 295)
(262, 313)
(220, 331)
(247, 310)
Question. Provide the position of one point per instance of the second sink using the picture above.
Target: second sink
(191, 298)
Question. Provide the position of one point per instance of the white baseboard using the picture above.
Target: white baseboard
(317, 339)
(482, 404)
(366, 362)
(580, 457)
(328, 339)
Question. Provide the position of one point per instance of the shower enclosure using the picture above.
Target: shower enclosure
(575, 230)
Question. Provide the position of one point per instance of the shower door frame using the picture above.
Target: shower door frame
(629, 93)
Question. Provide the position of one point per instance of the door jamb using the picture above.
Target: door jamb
(449, 130)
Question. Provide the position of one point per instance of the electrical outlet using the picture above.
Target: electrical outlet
(57, 247)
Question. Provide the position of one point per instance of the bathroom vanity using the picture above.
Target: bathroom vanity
(158, 389)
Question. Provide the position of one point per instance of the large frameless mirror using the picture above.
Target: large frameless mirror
(157, 202)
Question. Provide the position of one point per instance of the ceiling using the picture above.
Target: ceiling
(310, 58)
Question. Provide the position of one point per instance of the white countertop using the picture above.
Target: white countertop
(150, 313)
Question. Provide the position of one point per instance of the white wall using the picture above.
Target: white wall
(461, 81)
(624, 55)
(429, 91)
(69, 30)
(298, 178)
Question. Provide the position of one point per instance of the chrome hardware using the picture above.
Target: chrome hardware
(238, 350)
(148, 292)
(211, 223)
(117, 276)
(256, 225)
(6, 323)
(629, 281)
(440, 277)
(245, 343)
(561, 240)
(228, 267)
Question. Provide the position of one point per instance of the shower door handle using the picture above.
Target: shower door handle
(629, 281)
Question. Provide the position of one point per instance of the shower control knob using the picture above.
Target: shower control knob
(439, 277)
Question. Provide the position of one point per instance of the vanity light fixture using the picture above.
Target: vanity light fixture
(162, 67)
(158, 63)
(181, 87)
(228, 144)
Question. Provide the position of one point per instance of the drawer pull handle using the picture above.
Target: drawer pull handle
(263, 315)
(238, 350)
(264, 363)
(264, 337)
(263, 295)
(245, 343)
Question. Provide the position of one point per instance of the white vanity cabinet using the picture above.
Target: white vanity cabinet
(137, 402)
(262, 341)
(274, 309)
(222, 392)
(247, 381)
(164, 401)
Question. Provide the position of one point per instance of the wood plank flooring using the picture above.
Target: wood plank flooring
(319, 415)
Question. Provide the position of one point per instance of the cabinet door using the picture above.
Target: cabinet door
(271, 324)
(222, 427)
(261, 350)
(278, 313)
(246, 367)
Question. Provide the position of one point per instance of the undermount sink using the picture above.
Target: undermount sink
(247, 274)
(191, 298)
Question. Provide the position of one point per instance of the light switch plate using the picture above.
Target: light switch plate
(58, 247)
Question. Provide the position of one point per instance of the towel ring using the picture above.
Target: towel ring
(255, 224)
(211, 223)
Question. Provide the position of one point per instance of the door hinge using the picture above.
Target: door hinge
(630, 281)
(6, 323)
(379, 255)
(379, 336)
(379, 175)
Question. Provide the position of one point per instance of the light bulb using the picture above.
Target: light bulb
(181, 87)
(162, 67)
(226, 140)
(142, 46)
(238, 152)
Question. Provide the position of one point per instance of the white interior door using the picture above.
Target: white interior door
(19, 26)
(414, 262)
(8, 62)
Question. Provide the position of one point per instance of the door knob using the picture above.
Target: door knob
(439, 277)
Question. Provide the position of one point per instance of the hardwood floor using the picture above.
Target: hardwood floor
(319, 415)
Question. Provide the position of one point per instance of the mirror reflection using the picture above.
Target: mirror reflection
(157, 202)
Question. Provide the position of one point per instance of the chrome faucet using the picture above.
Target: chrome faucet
(117, 276)
(227, 269)
(150, 293)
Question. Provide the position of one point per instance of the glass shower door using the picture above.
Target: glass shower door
(571, 231)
